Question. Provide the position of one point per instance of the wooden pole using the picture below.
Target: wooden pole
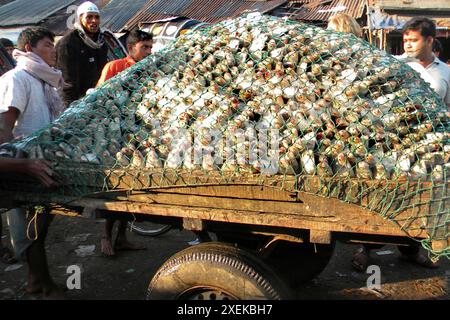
(369, 24)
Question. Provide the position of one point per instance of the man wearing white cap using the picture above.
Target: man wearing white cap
(82, 53)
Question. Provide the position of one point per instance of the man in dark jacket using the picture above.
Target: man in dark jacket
(82, 53)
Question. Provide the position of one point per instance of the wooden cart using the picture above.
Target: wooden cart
(269, 239)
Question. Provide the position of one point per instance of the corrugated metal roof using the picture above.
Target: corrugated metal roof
(292, 8)
(2, 2)
(206, 11)
(25, 12)
(302, 2)
(175, 8)
(354, 8)
(117, 13)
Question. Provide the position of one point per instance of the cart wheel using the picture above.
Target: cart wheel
(297, 263)
(149, 229)
(215, 271)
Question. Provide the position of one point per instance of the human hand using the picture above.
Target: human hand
(41, 170)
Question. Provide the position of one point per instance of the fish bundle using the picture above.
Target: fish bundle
(264, 95)
(262, 99)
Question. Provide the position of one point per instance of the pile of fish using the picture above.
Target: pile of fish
(261, 95)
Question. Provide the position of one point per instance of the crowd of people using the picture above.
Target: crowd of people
(48, 78)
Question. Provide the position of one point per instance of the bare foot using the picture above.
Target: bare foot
(54, 293)
(107, 247)
(125, 245)
(360, 259)
(33, 289)
(420, 259)
(51, 292)
(33, 285)
(6, 256)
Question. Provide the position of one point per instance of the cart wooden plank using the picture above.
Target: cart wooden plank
(369, 206)
(371, 223)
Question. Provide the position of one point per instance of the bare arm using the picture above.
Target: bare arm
(37, 168)
(7, 122)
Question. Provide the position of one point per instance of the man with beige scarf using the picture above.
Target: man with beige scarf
(29, 101)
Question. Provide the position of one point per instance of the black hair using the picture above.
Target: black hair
(32, 36)
(425, 26)
(437, 46)
(6, 42)
(137, 35)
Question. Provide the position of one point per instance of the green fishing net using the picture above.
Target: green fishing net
(259, 98)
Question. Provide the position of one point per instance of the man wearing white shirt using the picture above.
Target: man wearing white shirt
(29, 101)
(418, 37)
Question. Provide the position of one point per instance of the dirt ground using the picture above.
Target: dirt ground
(126, 276)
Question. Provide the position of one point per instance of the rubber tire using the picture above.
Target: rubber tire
(297, 263)
(216, 266)
(149, 233)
